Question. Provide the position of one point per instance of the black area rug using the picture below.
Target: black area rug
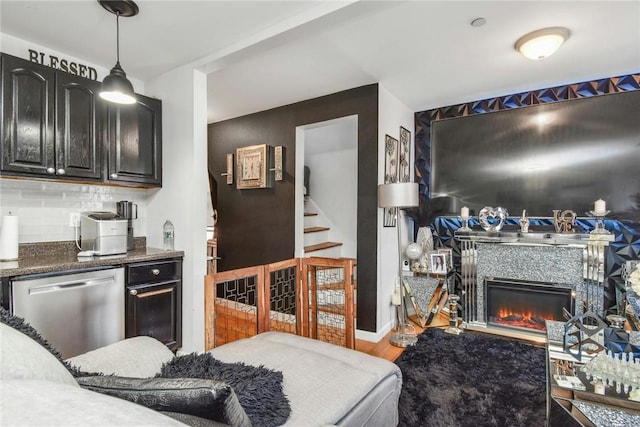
(472, 379)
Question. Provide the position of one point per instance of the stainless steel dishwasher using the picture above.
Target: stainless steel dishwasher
(75, 312)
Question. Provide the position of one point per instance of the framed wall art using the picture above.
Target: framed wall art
(390, 175)
(229, 173)
(404, 152)
(252, 167)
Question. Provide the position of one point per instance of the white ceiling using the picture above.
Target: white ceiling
(264, 54)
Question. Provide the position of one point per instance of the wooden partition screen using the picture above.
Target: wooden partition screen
(330, 285)
(305, 296)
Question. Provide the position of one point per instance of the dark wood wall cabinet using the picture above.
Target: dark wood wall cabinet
(54, 125)
(134, 138)
(154, 301)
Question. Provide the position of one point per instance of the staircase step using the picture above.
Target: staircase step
(315, 229)
(310, 214)
(321, 246)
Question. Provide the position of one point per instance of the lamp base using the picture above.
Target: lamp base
(403, 339)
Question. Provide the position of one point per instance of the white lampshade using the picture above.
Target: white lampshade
(398, 195)
(542, 43)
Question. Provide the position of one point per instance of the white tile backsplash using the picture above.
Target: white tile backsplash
(43, 207)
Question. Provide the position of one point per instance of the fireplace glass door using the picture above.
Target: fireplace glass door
(526, 305)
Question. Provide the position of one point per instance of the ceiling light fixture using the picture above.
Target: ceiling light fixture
(115, 87)
(542, 43)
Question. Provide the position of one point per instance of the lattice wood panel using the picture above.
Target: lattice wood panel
(305, 296)
(331, 296)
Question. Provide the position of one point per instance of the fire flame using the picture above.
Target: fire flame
(526, 315)
(522, 319)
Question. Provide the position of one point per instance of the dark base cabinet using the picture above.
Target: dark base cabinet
(154, 301)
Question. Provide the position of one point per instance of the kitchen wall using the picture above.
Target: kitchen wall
(183, 198)
(20, 48)
(185, 190)
(44, 207)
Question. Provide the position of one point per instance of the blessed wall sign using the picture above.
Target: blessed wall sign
(63, 64)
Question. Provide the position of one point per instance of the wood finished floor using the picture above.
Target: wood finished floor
(386, 350)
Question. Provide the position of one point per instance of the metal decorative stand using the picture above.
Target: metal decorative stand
(402, 338)
(599, 226)
(452, 302)
(616, 320)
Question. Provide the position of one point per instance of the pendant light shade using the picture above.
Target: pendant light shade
(116, 87)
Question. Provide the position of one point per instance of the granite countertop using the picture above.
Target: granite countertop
(49, 257)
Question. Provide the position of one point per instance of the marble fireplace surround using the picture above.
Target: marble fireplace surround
(573, 262)
(559, 266)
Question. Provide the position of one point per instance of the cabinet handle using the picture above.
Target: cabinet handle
(51, 170)
(61, 171)
(155, 271)
(154, 293)
(133, 292)
(113, 175)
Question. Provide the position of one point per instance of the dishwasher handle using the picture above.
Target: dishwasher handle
(70, 285)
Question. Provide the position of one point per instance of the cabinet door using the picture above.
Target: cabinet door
(135, 142)
(28, 139)
(153, 309)
(78, 118)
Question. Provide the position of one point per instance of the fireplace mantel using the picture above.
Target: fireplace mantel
(574, 261)
(533, 238)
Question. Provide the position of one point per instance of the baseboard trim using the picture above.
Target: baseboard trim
(373, 336)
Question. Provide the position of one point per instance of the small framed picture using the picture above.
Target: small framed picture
(252, 167)
(390, 175)
(449, 253)
(439, 263)
(404, 150)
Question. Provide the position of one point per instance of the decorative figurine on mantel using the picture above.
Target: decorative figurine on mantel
(524, 222)
(464, 216)
(492, 219)
(564, 221)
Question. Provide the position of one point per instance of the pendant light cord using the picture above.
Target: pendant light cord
(118, 37)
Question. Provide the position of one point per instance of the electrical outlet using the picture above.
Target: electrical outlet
(74, 219)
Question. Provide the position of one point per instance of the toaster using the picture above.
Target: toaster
(103, 233)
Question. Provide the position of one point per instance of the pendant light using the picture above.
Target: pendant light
(116, 87)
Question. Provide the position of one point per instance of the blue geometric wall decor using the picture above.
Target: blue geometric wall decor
(626, 245)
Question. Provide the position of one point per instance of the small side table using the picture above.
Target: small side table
(571, 397)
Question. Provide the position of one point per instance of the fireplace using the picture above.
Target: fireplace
(525, 305)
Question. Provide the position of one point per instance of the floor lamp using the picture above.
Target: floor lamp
(396, 196)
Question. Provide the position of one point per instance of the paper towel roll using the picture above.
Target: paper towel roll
(9, 238)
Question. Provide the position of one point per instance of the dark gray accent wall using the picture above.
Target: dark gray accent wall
(258, 226)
